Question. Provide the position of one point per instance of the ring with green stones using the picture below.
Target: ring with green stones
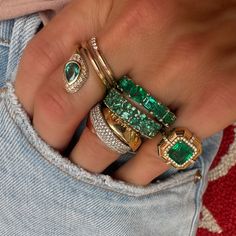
(179, 148)
(75, 72)
(138, 94)
(131, 115)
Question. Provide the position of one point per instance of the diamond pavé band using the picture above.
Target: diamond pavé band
(104, 132)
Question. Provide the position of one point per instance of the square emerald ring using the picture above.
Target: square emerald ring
(180, 148)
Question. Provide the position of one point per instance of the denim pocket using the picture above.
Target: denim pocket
(34, 144)
(43, 193)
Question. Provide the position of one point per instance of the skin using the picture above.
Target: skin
(182, 51)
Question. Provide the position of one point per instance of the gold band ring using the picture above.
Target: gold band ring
(102, 61)
(96, 67)
(122, 130)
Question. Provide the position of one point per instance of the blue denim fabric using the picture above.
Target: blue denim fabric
(43, 194)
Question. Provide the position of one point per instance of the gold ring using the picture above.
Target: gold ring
(102, 61)
(75, 72)
(122, 130)
(96, 67)
(179, 148)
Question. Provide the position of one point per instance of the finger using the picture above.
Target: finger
(91, 153)
(57, 113)
(202, 119)
(99, 146)
(55, 43)
(144, 166)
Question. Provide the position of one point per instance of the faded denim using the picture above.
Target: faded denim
(44, 194)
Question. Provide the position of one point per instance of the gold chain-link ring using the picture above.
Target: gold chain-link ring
(122, 130)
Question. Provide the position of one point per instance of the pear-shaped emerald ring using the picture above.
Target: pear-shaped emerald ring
(75, 73)
(180, 148)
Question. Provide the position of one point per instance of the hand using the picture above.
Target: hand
(181, 51)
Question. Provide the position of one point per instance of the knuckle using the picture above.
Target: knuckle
(143, 16)
(54, 105)
(44, 53)
(190, 45)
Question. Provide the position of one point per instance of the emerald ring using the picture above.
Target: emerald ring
(138, 94)
(131, 115)
(75, 73)
(180, 148)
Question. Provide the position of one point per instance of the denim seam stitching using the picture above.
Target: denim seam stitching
(197, 198)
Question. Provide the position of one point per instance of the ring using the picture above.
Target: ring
(96, 67)
(180, 148)
(75, 73)
(102, 62)
(143, 98)
(131, 115)
(102, 130)
(122, 130)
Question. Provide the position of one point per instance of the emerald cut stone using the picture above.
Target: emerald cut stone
(169, 119)
(159, 110)
(126, 84)
(149, 103)
(72, 71)
(140, 95)
(133, 91)
(180, 152)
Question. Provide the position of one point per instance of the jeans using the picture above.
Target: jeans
(43, 194)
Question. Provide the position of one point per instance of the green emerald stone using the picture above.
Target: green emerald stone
(126, 84)
(72, 71)
(133, 91)
(169, 119)
(149, 103)
(135, 121)
(159, 110)
(180, 152)
(140, 95)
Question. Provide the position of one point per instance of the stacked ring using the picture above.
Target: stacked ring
(99, 63)
(102, 61)
(100, 127)
(179, 148)
(75, 72)
(131, 115)
(96, 67)
(143, 98)
(122, 130)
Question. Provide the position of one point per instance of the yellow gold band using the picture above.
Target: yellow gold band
(96, 67)
(93, 46)
(122, 130)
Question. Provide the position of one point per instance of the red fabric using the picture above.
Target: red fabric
(220, 196)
